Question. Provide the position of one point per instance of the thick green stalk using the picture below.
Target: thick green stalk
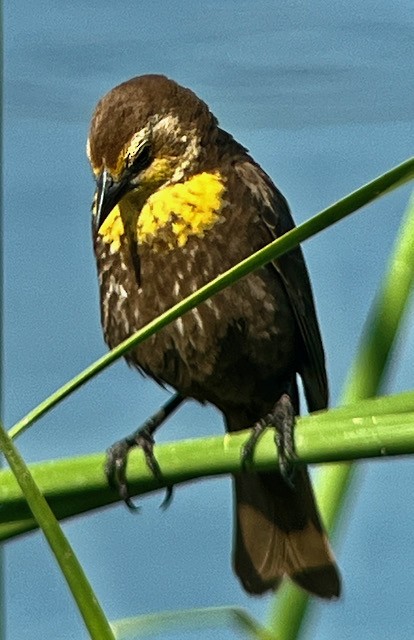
(77, 485)
(88, 605)
(364, 380)
(369, 192)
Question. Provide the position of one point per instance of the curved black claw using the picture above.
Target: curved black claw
(117, 455)
(169, 494)
(249, 447)
(116, 464)
(282, 418)
(115, 470)
(143, 439)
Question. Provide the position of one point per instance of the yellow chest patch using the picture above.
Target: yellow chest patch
(173, 214)
(169, 216)
(112, 229)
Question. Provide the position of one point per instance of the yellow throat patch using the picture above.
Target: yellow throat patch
(169, 216)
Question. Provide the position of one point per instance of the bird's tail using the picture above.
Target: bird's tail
(278, 533)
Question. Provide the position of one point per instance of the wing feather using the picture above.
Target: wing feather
(275, 215)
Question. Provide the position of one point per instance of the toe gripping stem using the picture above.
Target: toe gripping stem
(282, 418)
(143, 437)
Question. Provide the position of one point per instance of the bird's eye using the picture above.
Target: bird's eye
(141, 160)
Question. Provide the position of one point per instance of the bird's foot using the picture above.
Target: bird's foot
(282, 418)
(116, 464)
(117, 455)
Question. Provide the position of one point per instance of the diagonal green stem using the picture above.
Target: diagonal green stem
(88, 605)
(369, 192)
(364, 380)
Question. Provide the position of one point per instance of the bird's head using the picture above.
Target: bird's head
(145, 133)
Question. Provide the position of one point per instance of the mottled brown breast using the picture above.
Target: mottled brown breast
(237, 346)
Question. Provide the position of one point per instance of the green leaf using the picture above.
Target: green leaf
(148, 626)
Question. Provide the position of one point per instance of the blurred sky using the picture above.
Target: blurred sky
(322, 94)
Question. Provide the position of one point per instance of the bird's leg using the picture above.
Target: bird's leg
(143, 437)
(282, 418)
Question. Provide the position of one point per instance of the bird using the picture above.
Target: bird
(177, 202)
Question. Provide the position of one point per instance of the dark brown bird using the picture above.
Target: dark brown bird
(178, 202)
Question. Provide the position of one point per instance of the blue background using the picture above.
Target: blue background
(321, 93)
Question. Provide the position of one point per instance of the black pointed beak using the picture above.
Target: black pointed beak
(108, 193)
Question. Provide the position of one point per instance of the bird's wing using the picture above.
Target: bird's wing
(274, 212)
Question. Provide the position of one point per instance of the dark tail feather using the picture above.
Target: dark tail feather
(278, 533)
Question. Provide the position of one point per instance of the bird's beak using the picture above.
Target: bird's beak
(108, 193)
